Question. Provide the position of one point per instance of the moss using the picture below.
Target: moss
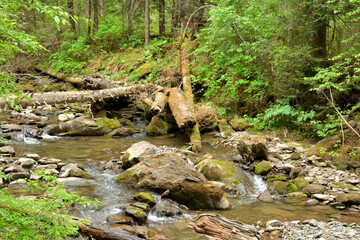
(300, 183)
(292, 188)
(145, 197)
(295, 156)
(236, 182)
(282, 178)
(157, 127)
(107, 123)
(263, 168)
(216, 170)
(343, 185)
(126, 176)
(280, 187)
(297, 195)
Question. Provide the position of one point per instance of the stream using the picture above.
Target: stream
(91, 153)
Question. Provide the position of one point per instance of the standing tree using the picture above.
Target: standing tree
(147, 22)
(162, 18)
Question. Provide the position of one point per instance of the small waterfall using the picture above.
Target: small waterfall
(259, 184)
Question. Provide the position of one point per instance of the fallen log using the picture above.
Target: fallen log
(195, 137)
(214, 226)
(145, 99)
(76, 81)
(159, 103)
(50, 98)
(181, 110)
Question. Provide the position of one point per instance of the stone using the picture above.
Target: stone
(324, 197)
(300, 183)
(225, 129)
(32, 155)
(311, 202)
(252, 147)
(265, 197)
(273, 225)
(46, 160)
(137, 152)
(206, 117)
(263, 167)
(295, 156)
(169, 171)
(119, 219)
(7, 150)
(66, 117)
(168, 208)
(136, 213)
(314, 189)
(145, 197)
(157, 127)
(18, 175)
(295, 172)
(239, 124)
(26, 162)
(72, 170)
(297, 195)
(141, 205)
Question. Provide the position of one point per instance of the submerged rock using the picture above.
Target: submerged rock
(171, 172)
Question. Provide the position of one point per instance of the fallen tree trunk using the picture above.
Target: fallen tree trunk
(195, 137)
(145, 99)
(181, 110)
(76, 81)
(214, 226)
(50, 98)
(159, 103)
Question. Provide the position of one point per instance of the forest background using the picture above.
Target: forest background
(277, 63)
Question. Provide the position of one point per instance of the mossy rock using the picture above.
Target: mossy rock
(314, 188)
(136, 213)
(300, 183)
(295, 171)
(216, 170)
(125, 176)
(273, 179)
(295, 156)
(224, 128)
(145, 197)
(297, 195)
(263, 168)
(239, 124)
(280, 187)
(343, 185)
(291, 187)
(157, 127)
(108, 123)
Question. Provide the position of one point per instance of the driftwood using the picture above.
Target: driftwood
(50, 98)
(159, 103)
(181, 110)
(214, 226)
(195, 137)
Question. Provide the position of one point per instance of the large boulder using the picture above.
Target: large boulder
(172, 172)
(206, 116)
(78, 127)
(216, 170)
(252, 147)
(136, 153)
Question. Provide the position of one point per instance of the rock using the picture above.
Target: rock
(278, 187)
(225, 129)
(300, 183)
(46, 160)
(136, 213)
(78, 127)
(326, 145)
(7, 151)
(124, 131)
(348, 199)
(66, 117)
(119, 219)
(314, 189)
(145, 197)
(171, 172)
(252, 147)
(295, 172)
(206, 117)
(137, 152)
(72, 170)
(297, 195)
(18, 175)
(239, 124)
(263, 167)
(32, 155)
(157, 127)
(295, 156)
(26, 162)
(167, 208)
(291, 187)
(273, 225)
(265, 197)
(311, 202)
(324, 197)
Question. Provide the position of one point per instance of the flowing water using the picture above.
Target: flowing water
(91, 153)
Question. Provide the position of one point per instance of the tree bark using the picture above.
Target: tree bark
(78, 21)
(162, 17)
(130, 16)
(89, 18)
(217, 227)
(147, 22)
(181, 110)
(70, 5)
(96, 16)
(159, 103)
(195, 137)
(50, 98)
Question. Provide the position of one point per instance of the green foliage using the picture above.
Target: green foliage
(9, 92)
(110, 36)
(71, 57)
(329, 126)
(44, 216)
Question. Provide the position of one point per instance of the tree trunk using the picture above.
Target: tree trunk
(96, 16)
(50, 98)
(195, 137)
(162, 17)
(78, 21)
(214, 226)
(320, 39)
(89, 18)
(70, 5)
(147, 22)
(181, 110)
(175, 17)
(159, 103)
(130, 16)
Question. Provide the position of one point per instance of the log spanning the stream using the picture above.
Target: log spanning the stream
(50, 98)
